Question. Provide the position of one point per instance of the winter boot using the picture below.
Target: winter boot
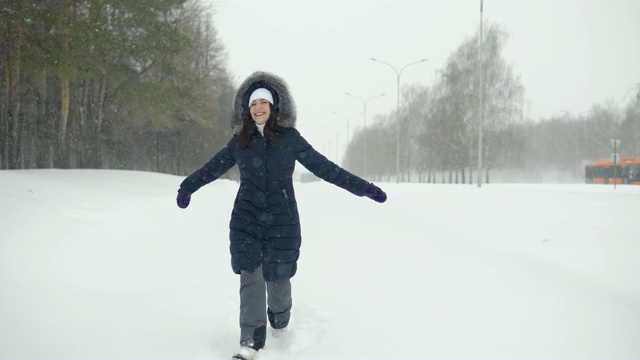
(248, 350)
(245, 353)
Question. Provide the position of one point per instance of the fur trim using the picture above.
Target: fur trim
(286, 108)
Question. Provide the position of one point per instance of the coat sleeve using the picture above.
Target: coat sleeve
(327, 170)
(212, 170)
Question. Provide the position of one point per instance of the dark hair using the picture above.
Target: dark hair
(249, 126)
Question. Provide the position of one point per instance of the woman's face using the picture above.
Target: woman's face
(260, 111)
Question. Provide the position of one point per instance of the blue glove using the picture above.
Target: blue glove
(375, 193)
(183, 199)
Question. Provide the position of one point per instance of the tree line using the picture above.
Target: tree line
(439, 128)
(143, 85)
(111, 84)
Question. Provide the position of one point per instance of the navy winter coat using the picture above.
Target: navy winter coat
(265, 225)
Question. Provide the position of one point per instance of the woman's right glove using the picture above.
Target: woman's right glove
(375, 193)
(183, 199)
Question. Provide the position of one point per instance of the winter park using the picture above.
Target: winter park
(466, 181)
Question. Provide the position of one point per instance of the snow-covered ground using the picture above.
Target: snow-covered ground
(103, 265)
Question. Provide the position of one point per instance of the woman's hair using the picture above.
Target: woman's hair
(249, 126)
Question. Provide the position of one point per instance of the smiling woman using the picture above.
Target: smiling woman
(265, 224)
(259, 103)
(260, 110)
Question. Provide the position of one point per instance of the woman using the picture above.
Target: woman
(265, 225)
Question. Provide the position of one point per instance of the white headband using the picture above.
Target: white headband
(261, 93)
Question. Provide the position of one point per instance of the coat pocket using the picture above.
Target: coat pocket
(286, 201)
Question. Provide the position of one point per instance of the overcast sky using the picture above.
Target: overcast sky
(569, 54)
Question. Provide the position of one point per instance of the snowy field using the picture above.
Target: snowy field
(103, 265)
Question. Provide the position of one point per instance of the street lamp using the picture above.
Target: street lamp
(347, 120)
(480, 109)
(364, 104)
(398, 73)
(337, 132)
(615, 143)
(325, 149)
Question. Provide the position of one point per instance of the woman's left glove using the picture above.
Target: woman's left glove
(183, 199)
(375, 193)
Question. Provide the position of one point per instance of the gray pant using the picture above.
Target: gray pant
(255, 295)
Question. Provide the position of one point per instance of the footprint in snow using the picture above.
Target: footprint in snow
(305, 331)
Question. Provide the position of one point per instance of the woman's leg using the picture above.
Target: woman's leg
(279, 301)
(253, 299)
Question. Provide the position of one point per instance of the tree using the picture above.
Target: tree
(439, 125)
(98, 83)
(13, 16)
(502, 105)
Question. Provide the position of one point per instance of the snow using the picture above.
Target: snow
(100, 264)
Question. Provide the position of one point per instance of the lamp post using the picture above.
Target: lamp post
(480, 109)
(615, 143)
(337, 132)
(324, 146)
(398, 73)
(364, 105)
(347, 120)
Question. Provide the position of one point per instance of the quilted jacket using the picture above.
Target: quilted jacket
(265, 224)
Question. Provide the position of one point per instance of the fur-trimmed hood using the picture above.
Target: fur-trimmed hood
(286, 108)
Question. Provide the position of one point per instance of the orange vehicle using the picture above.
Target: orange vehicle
(604, 171)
